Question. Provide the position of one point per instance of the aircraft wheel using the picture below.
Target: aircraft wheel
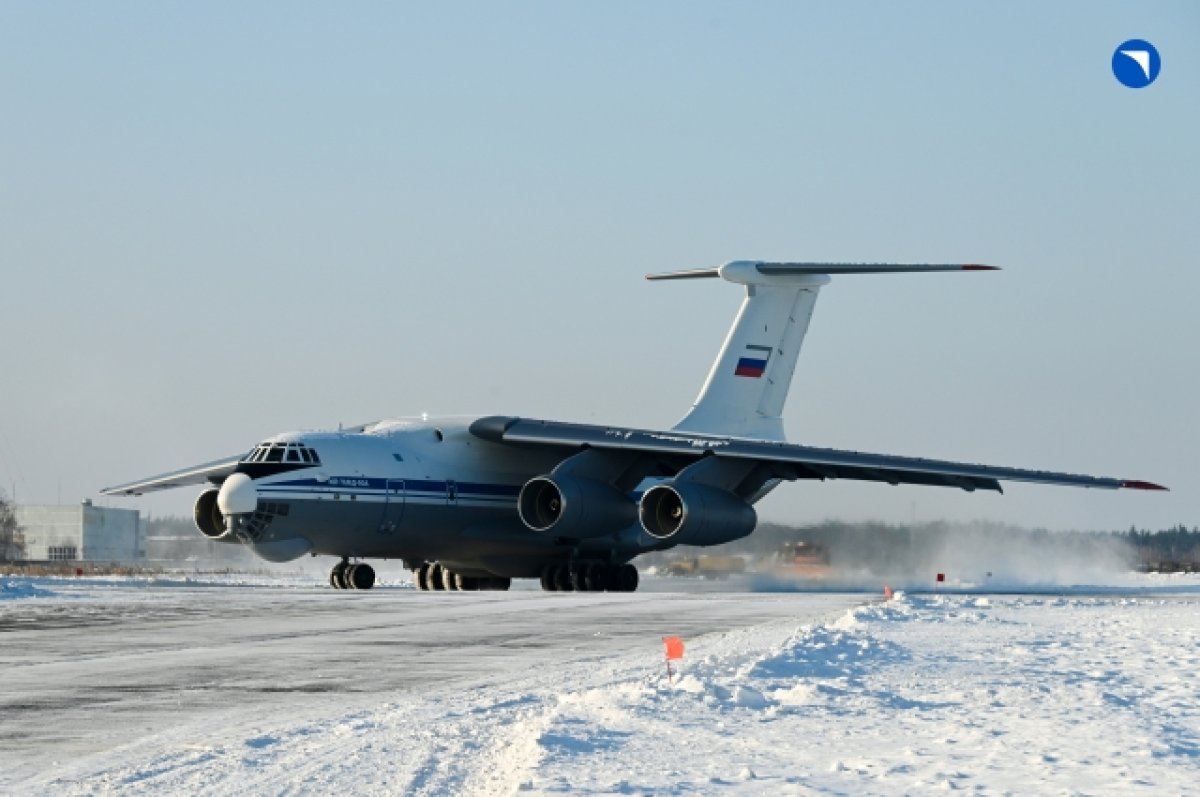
(628, 579)
(421, 576)
(360, 576)
(563, 581)
(583, 577)
(337, 576)
(594, 577)
(435, 576)
(548, 579)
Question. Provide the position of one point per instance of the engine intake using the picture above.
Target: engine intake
(208, 516)
(687, 513)
(574, 508)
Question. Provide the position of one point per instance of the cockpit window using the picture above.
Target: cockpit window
(282, 452)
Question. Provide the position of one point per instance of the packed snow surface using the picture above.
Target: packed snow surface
(256, 689)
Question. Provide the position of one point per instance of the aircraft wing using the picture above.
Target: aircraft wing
(663, 453)
(209, 473)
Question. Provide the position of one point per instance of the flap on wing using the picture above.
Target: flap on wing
(790, 461)
(209, 473)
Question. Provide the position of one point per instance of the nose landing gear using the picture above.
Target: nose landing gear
(352, 576)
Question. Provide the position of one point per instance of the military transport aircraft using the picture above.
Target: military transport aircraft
(472, 503)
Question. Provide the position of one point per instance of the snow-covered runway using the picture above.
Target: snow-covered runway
(130, 687)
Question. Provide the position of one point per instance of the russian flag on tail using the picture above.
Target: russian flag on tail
(753, 362)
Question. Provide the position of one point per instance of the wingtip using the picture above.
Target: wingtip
(979, 267)
(1135, 484)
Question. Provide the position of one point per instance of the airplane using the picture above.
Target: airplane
(473, 503)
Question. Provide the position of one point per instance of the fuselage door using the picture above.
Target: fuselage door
(393, 508)
(451, 493)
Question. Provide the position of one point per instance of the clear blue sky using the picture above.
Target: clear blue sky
(221, 221)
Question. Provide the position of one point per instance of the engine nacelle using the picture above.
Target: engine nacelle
(208, 516)
(687, 513)
(574, 508)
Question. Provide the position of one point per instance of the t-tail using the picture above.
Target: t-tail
(749, 381)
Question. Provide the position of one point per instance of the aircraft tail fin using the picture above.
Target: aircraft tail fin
(749, 381)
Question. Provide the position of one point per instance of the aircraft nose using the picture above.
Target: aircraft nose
(238, 495)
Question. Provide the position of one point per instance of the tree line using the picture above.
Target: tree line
(878, 547)
(12, 538)
(1176, 548)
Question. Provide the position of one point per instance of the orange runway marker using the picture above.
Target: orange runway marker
(674, 650)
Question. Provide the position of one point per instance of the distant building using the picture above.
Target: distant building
(81, 533)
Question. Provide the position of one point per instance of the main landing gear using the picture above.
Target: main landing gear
(433, 576)
(352, 576)
(589, 577)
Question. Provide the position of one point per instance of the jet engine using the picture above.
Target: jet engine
(208, 516)
(687, 513)
(573, 507)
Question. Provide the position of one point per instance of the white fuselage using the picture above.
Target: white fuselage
(416, 490)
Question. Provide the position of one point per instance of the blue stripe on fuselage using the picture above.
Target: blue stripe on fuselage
(410, 485)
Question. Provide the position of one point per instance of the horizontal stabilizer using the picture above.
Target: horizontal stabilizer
(775, 269)
(687, 274)
(795, 269)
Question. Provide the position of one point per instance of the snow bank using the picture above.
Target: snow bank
(1024, 695)
(1028, 694)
